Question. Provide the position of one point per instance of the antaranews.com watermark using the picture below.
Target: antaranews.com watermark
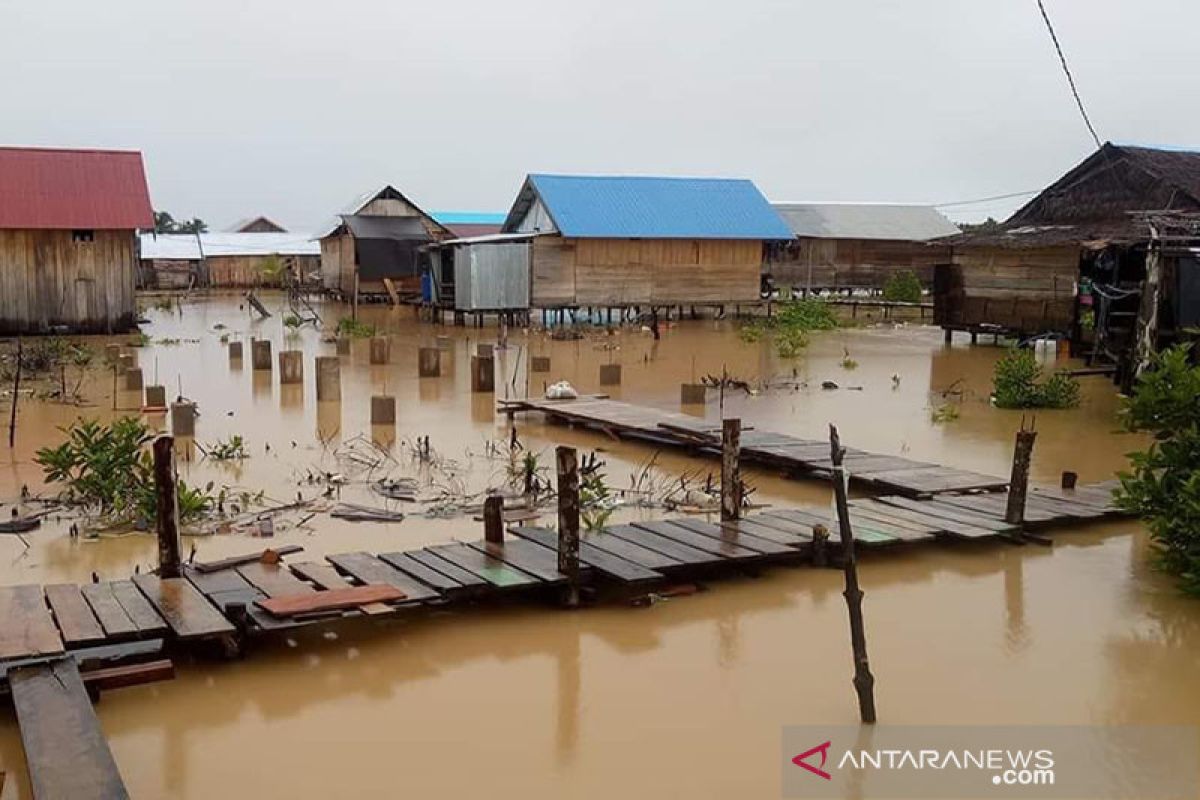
(1077, 761)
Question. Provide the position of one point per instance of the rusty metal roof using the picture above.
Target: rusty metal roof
(73, 189)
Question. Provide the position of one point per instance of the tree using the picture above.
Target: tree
(1162, 485)
(165, 223)
(989, 225)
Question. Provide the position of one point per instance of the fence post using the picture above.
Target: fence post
(731, 473)
(167, 509)
(864, 681)
(493, 519)
(568, 520)
(1018, 484)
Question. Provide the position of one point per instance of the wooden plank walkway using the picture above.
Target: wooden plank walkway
(796, 456)
(65, 748)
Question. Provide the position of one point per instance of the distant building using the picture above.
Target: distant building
(1075, 259)
(68, 239)
(849, 246)
(379, 236)
(228, 260)
(617, 242)
(466, 224)
(257, 225)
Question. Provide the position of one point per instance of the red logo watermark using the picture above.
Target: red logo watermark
(823, 749)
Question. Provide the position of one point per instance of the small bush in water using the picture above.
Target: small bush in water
(903, 287)
(1018, 382)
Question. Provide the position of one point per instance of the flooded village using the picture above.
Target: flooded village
(598, 493)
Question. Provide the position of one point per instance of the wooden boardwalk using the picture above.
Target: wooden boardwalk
(800, 457)
(46, 631)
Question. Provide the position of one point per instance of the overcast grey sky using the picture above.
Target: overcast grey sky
(292, 108)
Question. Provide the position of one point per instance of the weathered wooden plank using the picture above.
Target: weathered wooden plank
(650, 540)
(699, 541)
(779, 531)
(491, 569)
(26, 627)
(369, 569)
(139, 609)
(422, 572)
(872, 512)
(527, 556)
(74, 617)
(274, 580)
(236, 561)
(210, 583)
(604, 562)
(323, 575)
(867, 531)
(625, 550)
(469, 580)
(185, 610)
(108, 610)
(799, 529)
(994, 504)
(331, 600)
(733, 533)
(934, 509)
(65, 748)
(939, 524)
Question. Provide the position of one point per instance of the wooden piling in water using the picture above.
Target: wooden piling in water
(133, 380)
(693, 394)
(170, 561)
(864, 681)
(539, 363)
(483, 374)
(235, 351)
(1069, 479)
(383, 409)
(343, 345)
(429, 362)
(156, 397)
(731, 473)
(329, 378)
(260, 354)
(820, 545)
(183, 419)
(485, 350)
(568, 519)
(381, 350)
(16, 395)
(493, 519)
(610, 374)
(1018, 484)
(291, 366)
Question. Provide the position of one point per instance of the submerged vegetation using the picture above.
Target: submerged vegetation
(354, 329)
(108, 469)
(1019, 382)
(1163, 483)
(791, 325)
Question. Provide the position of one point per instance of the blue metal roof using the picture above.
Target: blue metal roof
(611, 207)
(469, 217)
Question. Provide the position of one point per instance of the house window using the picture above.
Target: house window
(83, 236)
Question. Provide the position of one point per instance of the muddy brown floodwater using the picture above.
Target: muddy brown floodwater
(683, 699)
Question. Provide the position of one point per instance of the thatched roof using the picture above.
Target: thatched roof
(1097, 202)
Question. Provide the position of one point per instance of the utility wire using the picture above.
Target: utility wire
(986, 199)
(1066, 69)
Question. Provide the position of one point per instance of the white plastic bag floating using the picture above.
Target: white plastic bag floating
(561, 391)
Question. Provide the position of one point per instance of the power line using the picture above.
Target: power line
(986, 199)
(1066, 69)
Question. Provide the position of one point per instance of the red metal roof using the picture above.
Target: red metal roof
(50, 188)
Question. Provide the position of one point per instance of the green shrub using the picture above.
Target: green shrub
(902, 287)
(1018, 382)
(109, 469)
(809, 315)
(1163, 483)
(354, 329)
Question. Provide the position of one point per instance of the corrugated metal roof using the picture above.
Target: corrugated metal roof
(81, 189)
(866, 221)
(612, 207)
(183, 246)
(360, 202)
(487, 238)
(470, 217)
(401, 229)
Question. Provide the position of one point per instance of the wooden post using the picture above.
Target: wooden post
(610, 374)
(260, 354)
(170, 564)
(568, 519)
(291, 366)
(235, 351)
(1069, 479)
(429, 362)
(731, 473)
(1146, 336)
(12, 414)
(1018, 484)
(183, 419)
(380, 350)
(133, 380)
(329, 378)
(820, 545)
(383, 409)
(493, 519)
(864, 681)
(539, 363)
(483, 374)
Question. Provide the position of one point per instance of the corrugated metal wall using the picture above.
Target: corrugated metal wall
(491, 276)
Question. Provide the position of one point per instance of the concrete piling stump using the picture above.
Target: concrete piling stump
(291, 366)
(329, 378)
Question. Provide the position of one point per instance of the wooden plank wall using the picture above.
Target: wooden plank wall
(852, 263)
(623, 272)
(1025, 290)
(48, 279)
(247, 271)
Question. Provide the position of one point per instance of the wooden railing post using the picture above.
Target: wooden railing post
(166, 509)
(731, 473)
(864, 681)
(1018, 484)
(568, 520)
(493, 519)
